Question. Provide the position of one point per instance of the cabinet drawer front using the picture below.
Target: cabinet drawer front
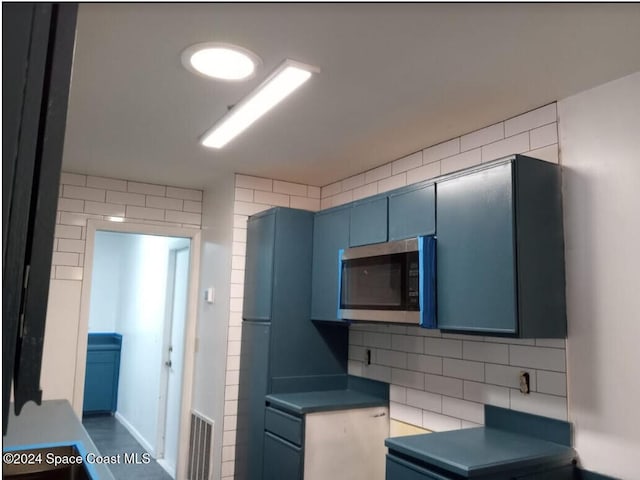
(282, 460)
(284, 425)
(398, 469)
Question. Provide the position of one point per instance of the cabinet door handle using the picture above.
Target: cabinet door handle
(168, 363)
(382, 414)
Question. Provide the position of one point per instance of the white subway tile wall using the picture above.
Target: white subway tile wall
(252, 195)
(534, 133)
(85, 196)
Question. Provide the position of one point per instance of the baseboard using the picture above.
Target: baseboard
(166, 467)
(132, 430)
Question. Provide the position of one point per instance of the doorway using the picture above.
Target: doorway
(142, 288)
(173, 348)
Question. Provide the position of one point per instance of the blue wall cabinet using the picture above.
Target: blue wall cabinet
(412, 213)
(368, 222)
(330, 234)
(281, 350)
(259, 268)
(501, 250)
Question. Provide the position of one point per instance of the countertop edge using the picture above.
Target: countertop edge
(362, 400)
(564, 453)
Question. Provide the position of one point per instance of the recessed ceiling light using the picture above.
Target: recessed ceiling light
(220, 60)
(283, 81)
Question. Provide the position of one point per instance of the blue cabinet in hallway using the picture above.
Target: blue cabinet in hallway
(281, 350)
(330, 234)
(102, 373)
(500, 259)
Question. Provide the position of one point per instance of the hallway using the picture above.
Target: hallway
(112, 438)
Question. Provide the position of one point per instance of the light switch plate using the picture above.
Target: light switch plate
(210, 295)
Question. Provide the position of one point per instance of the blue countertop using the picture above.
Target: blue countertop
(51, 424)
(325, 400)
(480, 451)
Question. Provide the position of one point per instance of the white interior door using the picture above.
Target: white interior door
(178, 291)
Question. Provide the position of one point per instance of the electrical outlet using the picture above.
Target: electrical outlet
(524, 382)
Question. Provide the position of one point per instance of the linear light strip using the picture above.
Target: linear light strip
(280, 84)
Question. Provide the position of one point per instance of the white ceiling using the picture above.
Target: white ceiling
(394, 78)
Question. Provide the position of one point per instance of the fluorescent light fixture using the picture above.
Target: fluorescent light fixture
(222, 61)
(282, 82)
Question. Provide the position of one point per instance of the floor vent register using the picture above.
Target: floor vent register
(199, 447)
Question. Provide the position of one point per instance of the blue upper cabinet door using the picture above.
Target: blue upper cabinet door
(412, 213)
(476, 283)
(258, 274)
(330, 234)
(368, 222)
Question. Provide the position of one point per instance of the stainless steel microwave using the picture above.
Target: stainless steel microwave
(389, 282)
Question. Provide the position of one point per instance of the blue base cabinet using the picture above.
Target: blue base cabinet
(102, 373)
(500, 259)
(399, 468)
(511, 446)
(283, 445)
(282, 459)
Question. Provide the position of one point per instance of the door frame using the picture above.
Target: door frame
(190, 325)
(166, 342)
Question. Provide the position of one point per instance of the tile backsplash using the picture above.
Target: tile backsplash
(441, 381)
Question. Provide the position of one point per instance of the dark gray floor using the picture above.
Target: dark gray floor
(112, 438)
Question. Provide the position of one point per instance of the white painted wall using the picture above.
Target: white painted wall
(213, 319)
(600, 150)
(106, 288)
(141, 322)
(57, 376)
